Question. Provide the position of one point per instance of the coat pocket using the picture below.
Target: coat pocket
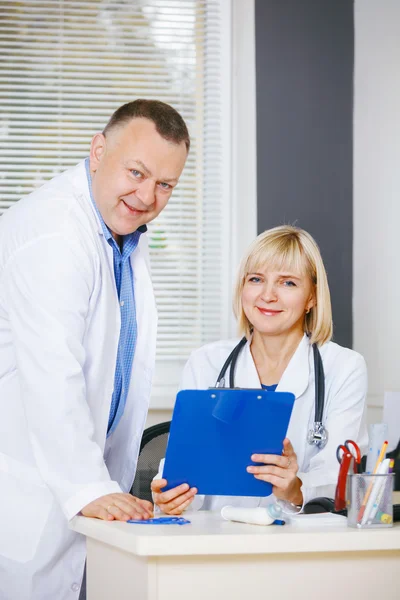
(25, 504)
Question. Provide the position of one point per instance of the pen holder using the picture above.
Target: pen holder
(369, 500)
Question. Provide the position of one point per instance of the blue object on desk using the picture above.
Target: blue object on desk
(161, 521)
(214, 433)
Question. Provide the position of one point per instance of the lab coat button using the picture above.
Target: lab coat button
(122, 303)
(75, 587)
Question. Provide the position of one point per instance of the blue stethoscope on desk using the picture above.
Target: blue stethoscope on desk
(317, 435)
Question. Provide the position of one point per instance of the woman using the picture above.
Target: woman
(282, 304)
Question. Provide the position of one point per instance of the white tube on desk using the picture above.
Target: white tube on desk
(253, 516)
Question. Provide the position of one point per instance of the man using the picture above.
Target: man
(77, 347)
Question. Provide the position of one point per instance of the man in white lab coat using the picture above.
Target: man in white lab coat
(77, 347)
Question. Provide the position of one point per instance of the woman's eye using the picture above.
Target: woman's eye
(255, 279)
(289, 283)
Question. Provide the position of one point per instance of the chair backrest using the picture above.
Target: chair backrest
(396, 455)
(152, 450)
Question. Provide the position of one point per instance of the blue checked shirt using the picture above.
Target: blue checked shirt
(126, 295)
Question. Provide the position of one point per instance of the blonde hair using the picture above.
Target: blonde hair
(290, 248)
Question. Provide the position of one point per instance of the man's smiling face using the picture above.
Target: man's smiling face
(134, 171)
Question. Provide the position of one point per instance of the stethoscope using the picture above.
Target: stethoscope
(317, 435)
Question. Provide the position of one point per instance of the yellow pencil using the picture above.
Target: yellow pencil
(368, 492)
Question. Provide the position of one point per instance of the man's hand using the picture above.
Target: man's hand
(120, 507)
(172, 502)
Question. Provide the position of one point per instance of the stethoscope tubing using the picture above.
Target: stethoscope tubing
(319, 378)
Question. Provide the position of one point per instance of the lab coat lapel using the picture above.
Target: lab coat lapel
(83, 195)
(296, 376)
(246, 375)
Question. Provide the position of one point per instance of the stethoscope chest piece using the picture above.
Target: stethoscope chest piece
(318, 435)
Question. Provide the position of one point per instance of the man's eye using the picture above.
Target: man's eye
(165, 186)
(136, 173)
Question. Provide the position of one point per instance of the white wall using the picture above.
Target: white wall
(376, 301)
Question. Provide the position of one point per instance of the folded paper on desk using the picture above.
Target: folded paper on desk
(315, 520)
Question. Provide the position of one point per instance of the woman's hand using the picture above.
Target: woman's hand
(174, 501)
(281, 472)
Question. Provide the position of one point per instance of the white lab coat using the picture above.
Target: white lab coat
(59, 331)
(345, 393)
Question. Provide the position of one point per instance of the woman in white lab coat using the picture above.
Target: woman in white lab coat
(282, 304)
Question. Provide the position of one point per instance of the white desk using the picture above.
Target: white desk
(211, 559)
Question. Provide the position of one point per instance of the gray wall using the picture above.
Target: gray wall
(304, 78)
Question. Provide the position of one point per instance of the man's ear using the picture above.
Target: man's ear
(97, 150)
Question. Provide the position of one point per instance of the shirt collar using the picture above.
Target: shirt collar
(105, 229)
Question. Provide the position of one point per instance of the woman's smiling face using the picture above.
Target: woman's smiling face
(275, 302)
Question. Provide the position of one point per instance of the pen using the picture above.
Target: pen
(368, 492)
(160, 521)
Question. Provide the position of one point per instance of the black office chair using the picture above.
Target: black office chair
(152, 450)
(396, 455)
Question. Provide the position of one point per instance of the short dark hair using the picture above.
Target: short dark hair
(168, 122)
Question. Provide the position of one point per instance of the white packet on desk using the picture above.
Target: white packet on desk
(316, 520)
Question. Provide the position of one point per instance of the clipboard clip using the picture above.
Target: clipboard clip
(229, 405)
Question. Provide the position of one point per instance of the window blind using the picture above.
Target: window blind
(65, 66)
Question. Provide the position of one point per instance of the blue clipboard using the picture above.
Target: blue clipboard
(214, 432)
